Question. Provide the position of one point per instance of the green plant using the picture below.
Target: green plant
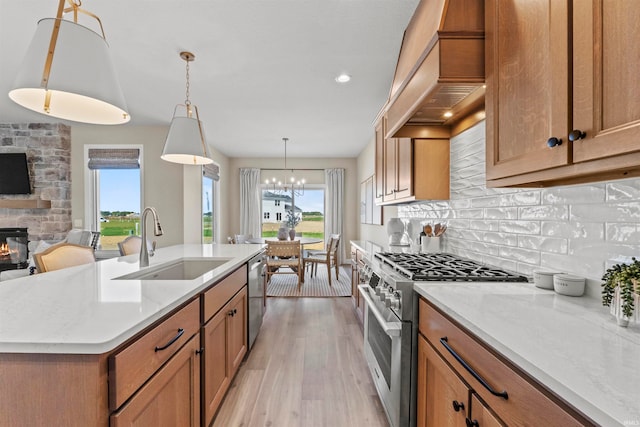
(624, 276)
(292, 219)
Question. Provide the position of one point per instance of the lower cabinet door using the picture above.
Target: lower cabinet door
(481, 416)
(171, 397)
(216, 370)
(237, 344)
(442, 396)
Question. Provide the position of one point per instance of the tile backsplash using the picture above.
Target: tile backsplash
(578, 229)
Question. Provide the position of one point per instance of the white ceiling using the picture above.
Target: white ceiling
(264, 69)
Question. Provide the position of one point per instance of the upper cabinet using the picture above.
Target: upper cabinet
(437, 86)
(562, 102)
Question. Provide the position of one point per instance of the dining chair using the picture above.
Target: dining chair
(284, 254)
(323, 252)
(63, 255)
(130, 245)
(243, 238)
(328, 257)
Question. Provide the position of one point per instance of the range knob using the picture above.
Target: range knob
(384, 294)
(393, 301)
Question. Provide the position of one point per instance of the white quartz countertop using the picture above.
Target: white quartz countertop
(83, 310)
(573, 346)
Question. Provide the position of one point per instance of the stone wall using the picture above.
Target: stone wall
(48, 148)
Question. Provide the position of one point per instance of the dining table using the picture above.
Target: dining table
(303, 241)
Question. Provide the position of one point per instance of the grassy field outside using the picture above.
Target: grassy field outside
(313, 228)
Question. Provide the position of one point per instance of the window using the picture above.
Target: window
(309, 206)
(113, 192)
(210, 174)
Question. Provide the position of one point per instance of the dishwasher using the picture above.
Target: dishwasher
(256, 293)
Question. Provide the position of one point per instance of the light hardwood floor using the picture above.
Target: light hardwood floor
(306, 369)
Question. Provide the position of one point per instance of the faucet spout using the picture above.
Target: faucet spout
(157, 231)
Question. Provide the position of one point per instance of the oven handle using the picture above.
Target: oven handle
(393, 329)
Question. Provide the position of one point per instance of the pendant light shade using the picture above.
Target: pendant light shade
(67, 73)
(185, 142)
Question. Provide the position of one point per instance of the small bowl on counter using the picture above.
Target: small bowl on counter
(544, 279)
(570, 285)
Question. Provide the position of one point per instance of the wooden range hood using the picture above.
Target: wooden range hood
(440, 67)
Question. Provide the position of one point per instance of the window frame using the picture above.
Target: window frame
(92, 184)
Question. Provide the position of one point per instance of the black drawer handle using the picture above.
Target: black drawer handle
(174, 339)
(503, 394)
(472, 423)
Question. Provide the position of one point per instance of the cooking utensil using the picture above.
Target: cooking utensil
(443, 228)
(436, 229)
(428, 230)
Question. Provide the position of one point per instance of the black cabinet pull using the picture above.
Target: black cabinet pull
(473, 423)
(200, 351)
(554, 142)
(230, 313)
(576, 134)
(445, 343)
(174, 339)
(457, 406)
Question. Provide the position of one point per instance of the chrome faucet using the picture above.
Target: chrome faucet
(157, 231)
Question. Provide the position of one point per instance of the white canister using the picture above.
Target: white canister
(430, 244)
(544, 279)
(567, 284)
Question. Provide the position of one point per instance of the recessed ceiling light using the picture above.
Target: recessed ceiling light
(448, 114)
(343, 78)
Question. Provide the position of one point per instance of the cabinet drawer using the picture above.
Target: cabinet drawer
(526, 404)
(132, 366)
(216, 297)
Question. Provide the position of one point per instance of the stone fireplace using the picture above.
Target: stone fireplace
(14, 248)
(46, 213)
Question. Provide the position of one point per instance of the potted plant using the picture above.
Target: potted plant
(292, 221)
(620, 290)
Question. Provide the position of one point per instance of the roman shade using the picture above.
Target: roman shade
(212, 171)
(114, 158)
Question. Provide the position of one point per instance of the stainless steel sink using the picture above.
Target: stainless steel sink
(182, 269)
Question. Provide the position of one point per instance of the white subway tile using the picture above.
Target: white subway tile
(501, 213)
(589, 193)
(574, 230)
(624, 189)
(520, 227)
(610, 212)
(552, 212)
(544, 244)
(623, 233)
(520, 255)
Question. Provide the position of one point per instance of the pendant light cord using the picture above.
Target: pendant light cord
(187, 101)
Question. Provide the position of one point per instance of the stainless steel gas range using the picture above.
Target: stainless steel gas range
(391, 319)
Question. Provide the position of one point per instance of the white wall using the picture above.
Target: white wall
(579, 229)
(351, 184)
(174, 190)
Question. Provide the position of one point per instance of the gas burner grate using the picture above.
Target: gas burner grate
(445, 267)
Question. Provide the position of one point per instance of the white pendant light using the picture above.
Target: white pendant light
(67, 73)
(185, 141)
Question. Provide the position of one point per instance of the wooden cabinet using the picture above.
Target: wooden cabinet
(171, 397)
(398, 172)
(456, 368)
(224, 340)
(131, 367)
(442, 395)
(357, 263)
(415, 169)
(379, 166)
(553, 67)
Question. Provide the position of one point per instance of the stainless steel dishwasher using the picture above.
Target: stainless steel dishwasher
(256, 296)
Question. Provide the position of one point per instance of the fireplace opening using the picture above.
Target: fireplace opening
(14, 248)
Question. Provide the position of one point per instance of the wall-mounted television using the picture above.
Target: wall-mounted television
(14, 174)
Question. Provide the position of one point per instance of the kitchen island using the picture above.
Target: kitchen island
(571, 346)
(67, 336)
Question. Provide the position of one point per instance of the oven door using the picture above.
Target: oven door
(382, 350)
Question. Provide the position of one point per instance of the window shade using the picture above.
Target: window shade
(212, 171)
(114, 158)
